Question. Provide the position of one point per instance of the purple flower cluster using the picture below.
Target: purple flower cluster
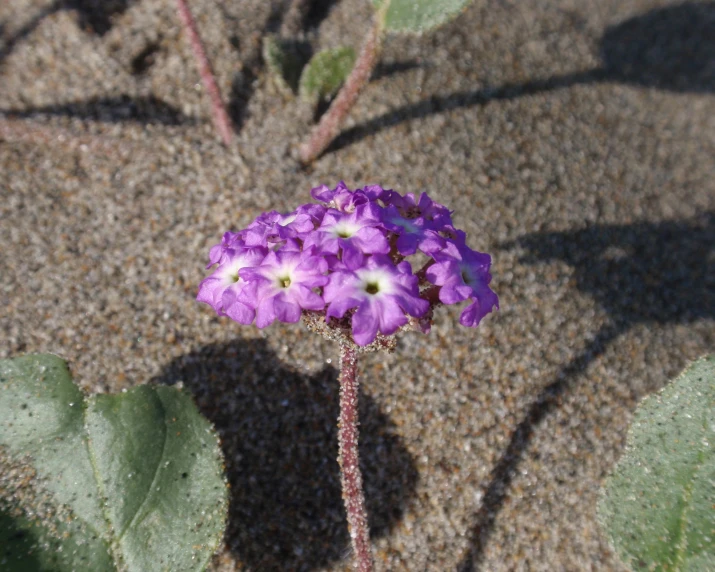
(347, 257)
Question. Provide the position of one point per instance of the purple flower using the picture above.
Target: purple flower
(435, 215)
(464, 273)
(230, 242)
(349, 254)
(282, 286)
(340, 198)
(300, 222)
(377, 193)
(352, 235)
(381, 291)
(221, 289)
(273, 228)
(412, 233)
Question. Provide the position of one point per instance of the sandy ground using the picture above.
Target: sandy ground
(574, 139)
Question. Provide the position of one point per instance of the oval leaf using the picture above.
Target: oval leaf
(419, 15)
(132, 481)
(325, 73)
(657, 507)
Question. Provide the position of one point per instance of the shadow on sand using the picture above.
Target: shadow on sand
(93, 16)
(279, 434)
(147, 110)
(639, 273)
(671, 48)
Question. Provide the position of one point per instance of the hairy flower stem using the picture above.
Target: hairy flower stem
(220, 115)
(350, 475)
(329, 125)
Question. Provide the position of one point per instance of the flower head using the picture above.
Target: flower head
(347, 260)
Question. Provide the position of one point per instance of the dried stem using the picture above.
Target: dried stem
(350, 475)
(329, 125)
(422, 272)
(220, 115)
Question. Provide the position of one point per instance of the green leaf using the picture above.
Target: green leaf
(419, 15)
(658, 506)
(325, 73)
(132, 481)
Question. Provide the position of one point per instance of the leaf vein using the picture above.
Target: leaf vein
(97, 478)
(151, 490)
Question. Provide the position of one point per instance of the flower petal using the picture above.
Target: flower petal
(265, 313)
(390, 314)
(365, 324)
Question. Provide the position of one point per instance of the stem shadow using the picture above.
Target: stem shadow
(671, 48)
(639, 273)
(503, 473)
(147, 110)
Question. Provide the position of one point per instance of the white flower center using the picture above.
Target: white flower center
(375, 282)
(287, 220)
(345, 228)
(230, 272)
(283, 276)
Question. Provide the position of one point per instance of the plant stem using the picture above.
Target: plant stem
(329, 125)
(350, 475)
(220, 115)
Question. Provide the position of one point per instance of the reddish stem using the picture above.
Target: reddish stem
(329, 125)
(220, 115)
(350, 475)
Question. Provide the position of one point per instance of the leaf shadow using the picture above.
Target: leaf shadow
(639, 273)
(670, 48)
(279, 433)
(317, 11)
(94, 16)
(662, 272)
(244, 81)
